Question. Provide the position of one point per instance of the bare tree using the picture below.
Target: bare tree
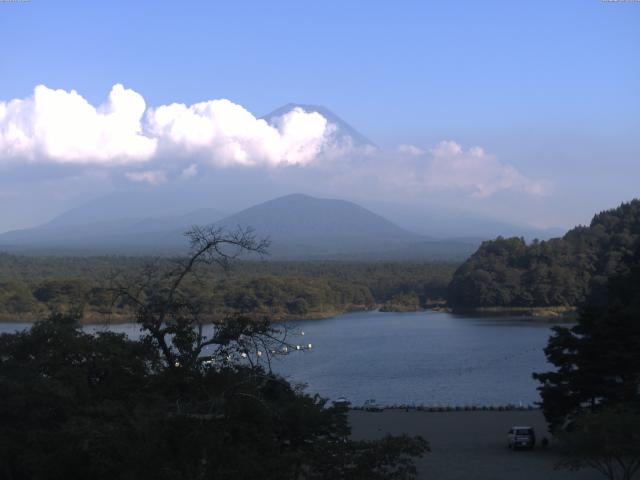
(172, 318)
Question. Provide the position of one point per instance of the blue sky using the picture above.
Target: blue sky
(551, 89)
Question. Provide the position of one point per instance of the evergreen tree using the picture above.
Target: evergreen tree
(558, 272)
(592, 399)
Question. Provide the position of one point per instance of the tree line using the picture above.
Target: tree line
(508, 272)
(34, 287)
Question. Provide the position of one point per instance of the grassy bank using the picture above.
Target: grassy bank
(98, 318)
(555, 314)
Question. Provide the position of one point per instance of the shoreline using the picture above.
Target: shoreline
(97, 318)
(532, 314)
(507, 407)
(552, 314)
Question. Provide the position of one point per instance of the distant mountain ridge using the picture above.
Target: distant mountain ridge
(299, 226)
(67, 235)
(302, 216)
(137, 205)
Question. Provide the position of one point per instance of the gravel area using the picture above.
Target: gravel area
(470, 445)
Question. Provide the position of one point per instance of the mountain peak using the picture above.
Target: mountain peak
(304, 199)
(301, 225)
(296, 196)
(343, 128)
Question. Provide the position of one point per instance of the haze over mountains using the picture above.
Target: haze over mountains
(152, 219)
(299, 227)
(70, 234)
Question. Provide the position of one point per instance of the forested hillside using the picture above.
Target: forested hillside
(34, 287)
(507, 272)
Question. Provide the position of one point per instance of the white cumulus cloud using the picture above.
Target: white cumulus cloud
(62, 127)
(225, 133)
(177, 141)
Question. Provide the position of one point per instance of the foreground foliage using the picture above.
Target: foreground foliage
(592, 399)
(189, 400)
(74, 405)
(607, 441)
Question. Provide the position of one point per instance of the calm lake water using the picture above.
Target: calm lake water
(428, 358)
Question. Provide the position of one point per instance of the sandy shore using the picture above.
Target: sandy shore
(470, 445)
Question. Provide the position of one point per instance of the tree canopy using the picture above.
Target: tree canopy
(592, 399)
(507, 272)
(35, 287)
(598, 360)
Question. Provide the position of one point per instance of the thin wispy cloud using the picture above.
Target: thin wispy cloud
(411, 150)
(447, 168)
(152, 177)
(190, 172)
(475, 172)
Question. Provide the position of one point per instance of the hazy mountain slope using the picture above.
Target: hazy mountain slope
(302, 216)
(454, 223)
(115, 207)
(343, 128)
(300, 225)
(121, 235)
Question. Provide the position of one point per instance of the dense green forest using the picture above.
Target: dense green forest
(34, 287)
(507, 272)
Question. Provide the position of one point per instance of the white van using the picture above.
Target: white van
(521, 437)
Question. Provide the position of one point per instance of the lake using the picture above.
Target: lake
(429, 358)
